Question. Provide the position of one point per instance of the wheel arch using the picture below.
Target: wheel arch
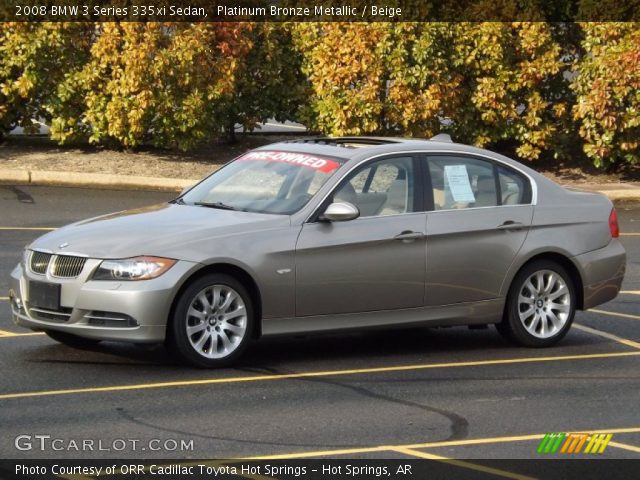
(565, 262)
(239, 274)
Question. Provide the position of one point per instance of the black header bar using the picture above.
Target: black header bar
(318, 11)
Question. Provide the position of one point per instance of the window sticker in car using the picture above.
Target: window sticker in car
(310, 161)
(458, 181)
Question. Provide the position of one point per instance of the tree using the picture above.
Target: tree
(607, 86)
(345, 66)
(425, 91)
(269, 80)
(34, 59)
(484, 82)
(156, 83)
(532, 89)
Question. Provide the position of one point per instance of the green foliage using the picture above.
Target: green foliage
(536, 89)
(345, 65)
(155, 83)
(485, 82)
(512, 73)
(34, 59)
(607, 86)
(269, 82)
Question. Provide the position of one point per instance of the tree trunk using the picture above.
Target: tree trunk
(231, 131)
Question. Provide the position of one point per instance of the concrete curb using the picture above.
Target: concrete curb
(622, 195)
(15, 176)
(93, 180)
(615, 192)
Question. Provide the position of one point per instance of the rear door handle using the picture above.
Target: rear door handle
(511, 225)
(408, 236)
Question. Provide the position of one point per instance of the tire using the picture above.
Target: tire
(71, 340)
(212, 323)
(540, 305)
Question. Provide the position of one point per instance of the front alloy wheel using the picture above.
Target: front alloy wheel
(212, 322)
(540, 305)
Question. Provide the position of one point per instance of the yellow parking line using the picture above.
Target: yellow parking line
(625, 446)
(461, 463)
(417, 446)
(328, 373)
(615, 314)
(29, 228)
(4, 298)
(610, 336)
(630, 234)
(630, 292)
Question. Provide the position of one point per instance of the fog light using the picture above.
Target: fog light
(15, 301)
(110, 319)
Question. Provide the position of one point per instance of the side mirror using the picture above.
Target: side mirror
(340, 212)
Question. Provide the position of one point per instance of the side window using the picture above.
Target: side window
(514, 188)
(462, 182)
(385, 187)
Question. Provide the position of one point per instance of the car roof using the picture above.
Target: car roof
(358, 148)
(348, 147)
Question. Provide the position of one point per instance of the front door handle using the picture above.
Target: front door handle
(408, 236)
(511, 225)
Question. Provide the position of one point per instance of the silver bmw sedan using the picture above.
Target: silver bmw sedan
(327, 234)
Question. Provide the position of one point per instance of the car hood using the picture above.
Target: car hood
(155, 230)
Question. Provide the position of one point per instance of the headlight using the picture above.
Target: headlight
(138, 268)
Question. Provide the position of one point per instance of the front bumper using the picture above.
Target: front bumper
(602, 273)
(135, 311)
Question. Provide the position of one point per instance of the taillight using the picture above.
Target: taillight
(614, 228)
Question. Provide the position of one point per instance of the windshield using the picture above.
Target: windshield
(264, 182)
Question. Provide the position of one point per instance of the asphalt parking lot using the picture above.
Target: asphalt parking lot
(418, 393)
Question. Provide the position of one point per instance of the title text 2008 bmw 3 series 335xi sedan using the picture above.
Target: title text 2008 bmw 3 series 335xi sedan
(327, 234)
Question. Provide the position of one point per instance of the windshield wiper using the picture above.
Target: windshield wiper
(178, 201)
(220, 205)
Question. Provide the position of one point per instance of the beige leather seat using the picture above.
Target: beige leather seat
(438, 198)
(397, 198)
(486, 192)
(508, 197)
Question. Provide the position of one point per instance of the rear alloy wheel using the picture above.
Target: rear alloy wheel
(212, 323)
(540, 306)
(71, 340)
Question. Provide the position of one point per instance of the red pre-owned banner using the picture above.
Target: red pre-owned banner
(310, 161)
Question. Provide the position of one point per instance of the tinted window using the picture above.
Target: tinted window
(462, 182)
(385, 187)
